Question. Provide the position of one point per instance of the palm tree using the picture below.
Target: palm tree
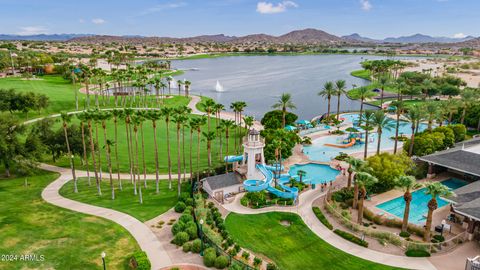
(127, 114)
(451, 107)
(201, 122)
(65, 120)
(136, 123)
(209, 107)
(89, 116)
(355, 166)
(217, 110)
(468, 96)
(367, 118)
(340, 90)
(363, 93)
(169, 82)
(154, 116)
(209, 137)
(382, 81)
(248, 121)
(83, 118)
(407, 183)
(285, 102)
(179, 84)
(301, 174)
(382, 122)
(108, 146)
(141, 115)
(167, 114)
(432, 110)
(96, 115)
(116, 114)
(363, 179)
(227, 125)
(187, 87)
(399, 110)
(413, 116)
(240, 108)
(433, 189)
(193, 125)
(327, 92)
(179, 118)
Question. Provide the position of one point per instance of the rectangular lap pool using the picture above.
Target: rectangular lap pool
(418, 207)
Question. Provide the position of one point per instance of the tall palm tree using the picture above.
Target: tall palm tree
(209, 137)
(116, 114)
(413, 116)
(167, 114)
(301, 174)
(185, 110)
(367, 119)
(468, 97)
(355, 166)
(169, 83)
(179, 118)
(108, 145)
(179, 84)
(127, 115)
(83, 118)
(451, 107)
(433, 189)
(285, 102)
(89, 116)
(227, 125)
(201, 122)
(241, 105)
(248, 121)
(383, 81)
(187, 87)
(136, 121)
(382, 122)
(407, 183)
(141, 115)
(104, 116)
(96, 115)
(431, 109)
(363, 93)
(209, 107)
(154, 116)
(193, 125)
(66, 118)
(327, 92)
(340, 89)
(399, 105)
(218, 108)
(363, 179)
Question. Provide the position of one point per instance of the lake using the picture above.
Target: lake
(260, 80)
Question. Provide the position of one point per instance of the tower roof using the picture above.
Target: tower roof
(253, 132)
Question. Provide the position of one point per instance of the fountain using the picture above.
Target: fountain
(218, 87)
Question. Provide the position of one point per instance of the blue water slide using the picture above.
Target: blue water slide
(252, 185)
(231, 159)
(274, 168)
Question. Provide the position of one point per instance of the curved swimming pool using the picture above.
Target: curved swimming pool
(316, 173)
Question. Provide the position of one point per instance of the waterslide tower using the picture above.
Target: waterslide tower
(253, 152)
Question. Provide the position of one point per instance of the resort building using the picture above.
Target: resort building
(463, 160)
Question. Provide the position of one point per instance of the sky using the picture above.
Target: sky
(183, 18)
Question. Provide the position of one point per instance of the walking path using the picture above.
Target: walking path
(146, 239)
(304, 210)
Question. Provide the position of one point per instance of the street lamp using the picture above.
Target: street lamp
(103, 260)
(201, 236)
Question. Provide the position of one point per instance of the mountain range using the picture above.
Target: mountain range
(305, 36)
(416, 38)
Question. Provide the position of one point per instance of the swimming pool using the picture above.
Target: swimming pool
(419, 204)
(319, 152)
(317, 173)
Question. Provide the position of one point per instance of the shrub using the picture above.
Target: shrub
(140, 261)
(257, 261)
(181, 238)
(417, 253)
(237, 248)
(180, 207)
(187, 247)
(178, 227)
(449, 139)
(459, 131)
(352, 238)
(184, 196)
(188, 210)
(245, 255)
(439, 238)
(235, 267)
(221, 262)
(404, 234)
(271, 266)
(342, 195)
(196, 246)
(209, 257)
(387, 167)
(244, 201)
(210, 205)
(192, 232)
(185, 218)
(322, 218)
(189, 202)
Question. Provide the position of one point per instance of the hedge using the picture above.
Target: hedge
(322, 217)
(417, 253)
(352, 238)
(139, 261)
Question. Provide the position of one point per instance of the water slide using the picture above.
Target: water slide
(350, 144)
(232, 159)
(253, 185)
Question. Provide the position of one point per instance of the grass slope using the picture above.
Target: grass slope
(153, 204)
(67, 239)
(291, 247)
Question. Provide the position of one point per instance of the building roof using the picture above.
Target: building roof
(223, 180)
(467, 200)
(253, 132)
(464, 157)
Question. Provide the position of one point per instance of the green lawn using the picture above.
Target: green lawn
(162, 145)
(153, 204)
(66, 239)
(291, 247)
(362, 73)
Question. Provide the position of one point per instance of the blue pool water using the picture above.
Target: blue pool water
(317, 173)
(319, 152)
(419, 204)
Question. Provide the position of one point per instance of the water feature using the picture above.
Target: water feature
(419, 203)
(260, 80)
(219, 87)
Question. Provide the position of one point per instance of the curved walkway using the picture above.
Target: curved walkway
(304, 210)
(145, 238)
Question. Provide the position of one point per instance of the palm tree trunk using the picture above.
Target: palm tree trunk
(99, 152)
(355, 194)
(407, 197)
(283, 117)
(226, 150)
(412, 141)
(432, 205)
(92, 149)
(328, 107)
(117, 163)
(190, 155)
(85, 152)
(129, 139)
(397, 126)
(179, 167)
(198, 156)
(169, 158)
(156, 155)
(360, 206)
(136, 167)
(349, 181)
(143, 157)
(109, 160)
(379, 132)
(366, 144)
(183, 154)
(75, 188)
(338, 106)
(464, 112)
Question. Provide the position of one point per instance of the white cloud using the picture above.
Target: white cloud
(98, 21)
(366, 5)
(162, 7)
(271, 8)
(32, 30)
(460, 35)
